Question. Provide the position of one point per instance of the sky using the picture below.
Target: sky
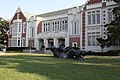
(9, 7)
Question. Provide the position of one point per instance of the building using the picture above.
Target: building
(23, 29)
(76, 26)
(97, 13)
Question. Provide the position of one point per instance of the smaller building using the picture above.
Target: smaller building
(22, 30)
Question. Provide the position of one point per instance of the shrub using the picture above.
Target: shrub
(18, 48)
(109, 53)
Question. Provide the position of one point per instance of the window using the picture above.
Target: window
(58, 26)
(98, 18)
(89, 19)
(75, 28)
(97, 43)
(32, 32)
(93, 40)
(63, 25)
(49, 28)
(109, 17)
(89, 41)
(74, 44)
(94, 17)
(19, 27)
(75, 25)
(18, 42)
(13, 42)
(66, 25)
(92, 36)
(53, 26)
(44, 29)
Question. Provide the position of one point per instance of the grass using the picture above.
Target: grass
(45, 67)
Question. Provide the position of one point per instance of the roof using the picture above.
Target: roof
(63, 11)
(94, 1)
(27, 15)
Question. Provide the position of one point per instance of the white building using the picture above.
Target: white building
(23, 29)
(76, 26)
(97, 14)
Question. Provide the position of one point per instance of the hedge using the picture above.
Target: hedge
(109, 53)
(18, 48)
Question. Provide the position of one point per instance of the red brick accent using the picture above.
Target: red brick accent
(74, 39)
(94, 1)
(39, 27)
(24, 42)
(21, 16)
(83, 30)
(24, 35)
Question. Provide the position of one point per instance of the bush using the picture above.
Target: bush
(113, 53)
(18, 48)
(109, 53)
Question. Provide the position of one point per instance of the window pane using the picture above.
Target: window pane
(89, 40)
(18, 42)
(109, 17)
(98, 18)
(75, 28)
(93, 18)
(98, 36)
(44, 29)
(93, 40)
(89, 19)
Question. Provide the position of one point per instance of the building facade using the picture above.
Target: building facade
(97, 14)
(23, 29)
(76, 26)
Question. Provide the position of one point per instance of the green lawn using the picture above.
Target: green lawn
(45, 67)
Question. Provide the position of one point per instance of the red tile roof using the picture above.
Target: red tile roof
(94, 1)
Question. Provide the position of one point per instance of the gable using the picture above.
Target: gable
(21, 16)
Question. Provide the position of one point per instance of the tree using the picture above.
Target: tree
(102, 43)
(113, 28)
(4, 27)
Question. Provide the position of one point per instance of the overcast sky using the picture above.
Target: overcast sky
(8, 7)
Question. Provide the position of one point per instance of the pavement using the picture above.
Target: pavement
(2, 53)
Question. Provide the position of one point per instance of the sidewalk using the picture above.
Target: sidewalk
(2, 53)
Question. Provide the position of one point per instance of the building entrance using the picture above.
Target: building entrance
(50, 43)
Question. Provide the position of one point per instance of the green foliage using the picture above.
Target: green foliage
(102, 42)
(18, 49)
(45, 67)
(113, 28)
(4, 27)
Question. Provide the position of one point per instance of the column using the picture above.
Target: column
(55, 42)
(66, 41)
(37, 44)
(46, 43)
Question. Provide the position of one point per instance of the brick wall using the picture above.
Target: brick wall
(39, 27)
(74, 39)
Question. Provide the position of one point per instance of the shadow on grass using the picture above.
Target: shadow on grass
(62, 69)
